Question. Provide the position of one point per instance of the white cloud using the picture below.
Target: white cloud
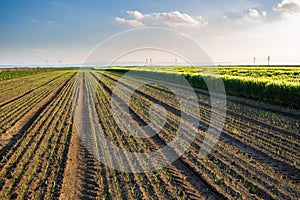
(130, 22)
(135, 14)
(50, 22)
(251, 16)
(175, 18)
(288, 8)
(171, 19)
(255, 15)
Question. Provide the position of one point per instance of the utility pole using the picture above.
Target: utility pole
(146, 61)
(269, 58)
(254, 61)
(150, 61)
(175, 61)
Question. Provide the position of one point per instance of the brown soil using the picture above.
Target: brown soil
(72, 182)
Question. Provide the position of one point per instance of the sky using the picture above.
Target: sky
(35, 32)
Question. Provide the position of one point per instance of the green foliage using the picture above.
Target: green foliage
(279, 85)
(19, 72)
(15, 74)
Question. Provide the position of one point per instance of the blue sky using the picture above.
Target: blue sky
(230, 31)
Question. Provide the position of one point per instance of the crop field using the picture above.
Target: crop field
(280, 85)
(43, 155)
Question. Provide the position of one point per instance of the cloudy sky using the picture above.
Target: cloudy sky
(230, 31)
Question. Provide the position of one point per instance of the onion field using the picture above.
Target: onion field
(43, 154)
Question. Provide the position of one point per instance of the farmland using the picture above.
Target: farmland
(43, 156)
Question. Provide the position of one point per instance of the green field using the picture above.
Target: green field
(9, 73)
(274, 84)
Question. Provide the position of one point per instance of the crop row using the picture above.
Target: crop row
(13, 111)
(282, 117)
(25, 166)
(161, 183)
(250, 182)
(275, 143)
(19, 86)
